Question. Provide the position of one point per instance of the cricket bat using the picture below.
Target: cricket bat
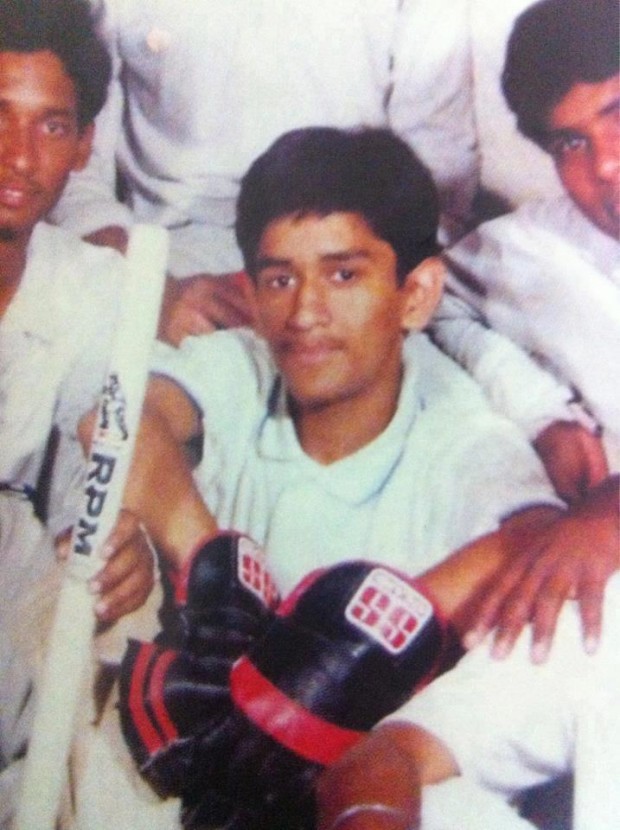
(118, 415)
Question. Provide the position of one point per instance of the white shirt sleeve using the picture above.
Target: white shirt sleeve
(431, 101)
(516, 386)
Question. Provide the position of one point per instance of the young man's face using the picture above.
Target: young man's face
(40, 143)
(330, 308)
(584, 140)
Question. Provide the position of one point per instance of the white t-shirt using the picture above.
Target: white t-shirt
(54, 346)
(445, 470)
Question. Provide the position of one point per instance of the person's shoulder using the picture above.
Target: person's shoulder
(442, 382)
(457, 421)
(235, 345)
(453, 404)
(77, 286)
(227, 360)
(532, 232)
(59, 255)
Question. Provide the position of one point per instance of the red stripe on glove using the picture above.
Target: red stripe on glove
(148, 734)
(286, 721)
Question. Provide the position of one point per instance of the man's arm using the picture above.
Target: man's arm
(520, 390)
(160, 496)
(525, 571)
(377, 784)
(160, 488)
(571, 557)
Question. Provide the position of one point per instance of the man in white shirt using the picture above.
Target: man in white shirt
(199, 90)
(58, 300)
(331, 436)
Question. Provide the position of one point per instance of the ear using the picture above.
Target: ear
(423, 288)
(84, 147)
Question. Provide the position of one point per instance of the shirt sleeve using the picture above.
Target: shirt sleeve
(514, 383)
(203, 368)
(431, 102)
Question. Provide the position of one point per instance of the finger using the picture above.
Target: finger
(488, 608)
(591, 608)
(127, 529)
(114, 571)
(125, 597)
(227, 311)
(544, 621)
(537, 593)
(63, 545)
(513, 617)
(598, 468)
(128, 575)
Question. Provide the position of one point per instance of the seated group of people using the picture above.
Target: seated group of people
(365, 586)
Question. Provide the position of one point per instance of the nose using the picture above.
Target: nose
(310, 307)
(607, 159)
(18, 149)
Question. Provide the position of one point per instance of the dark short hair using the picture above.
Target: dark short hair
(554, 45)
(323, 170)
(66, 28)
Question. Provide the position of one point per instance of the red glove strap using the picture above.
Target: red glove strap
(285, 721)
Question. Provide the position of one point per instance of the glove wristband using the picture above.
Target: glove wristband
(290, 724)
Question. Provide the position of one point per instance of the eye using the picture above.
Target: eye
(344, 275)
(57, 127)
(275, 281)
(563, 145)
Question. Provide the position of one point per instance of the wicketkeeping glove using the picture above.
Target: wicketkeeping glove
(223, 600)
(349, 646)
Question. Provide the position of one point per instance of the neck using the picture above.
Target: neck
(331, 432)
(12, 264)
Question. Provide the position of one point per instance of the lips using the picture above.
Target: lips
(307, 353)
(15, 194)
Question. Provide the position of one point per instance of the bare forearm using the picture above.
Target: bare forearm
(160, 489)
(457, 581)
(162, 492)
(377, 784)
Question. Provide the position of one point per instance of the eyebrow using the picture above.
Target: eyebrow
(611, 107)
(49, 112)
(332, 257)
(562, 132)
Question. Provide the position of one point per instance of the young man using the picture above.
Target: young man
(328, 437)
(58, 300)
(546, 275)
(563, 716)
(181, 153)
